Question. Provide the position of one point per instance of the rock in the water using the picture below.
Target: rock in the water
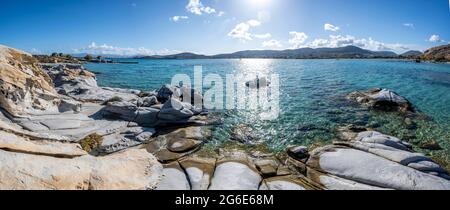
(431, 145)
(199, 171)
(243, 134)
(174, 178)
(370, 169)
(382, 99)
(235, 176)
(131, 169)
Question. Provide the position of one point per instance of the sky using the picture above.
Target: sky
(147, 27)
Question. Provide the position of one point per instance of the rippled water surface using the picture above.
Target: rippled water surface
(312, 96)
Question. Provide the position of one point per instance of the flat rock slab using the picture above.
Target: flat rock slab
(129, 170)
(235, 176)
(12, 142)
(373, 170)
(174, 178)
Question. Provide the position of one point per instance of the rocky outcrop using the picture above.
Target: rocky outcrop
(24, 88)
(131, 169)
(439, 54)
(75, 81)
(382, 99)
(375, 161)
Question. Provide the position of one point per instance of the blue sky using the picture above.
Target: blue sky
(129, 27)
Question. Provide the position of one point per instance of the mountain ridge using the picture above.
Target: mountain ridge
(301, 53)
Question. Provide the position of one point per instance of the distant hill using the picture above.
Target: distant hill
(176, 56)
(439, 54)
(302, 53)
(411, 54)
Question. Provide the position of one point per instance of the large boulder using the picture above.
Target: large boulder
(234, 175)
(24, 88)
(382, 99)
(131, 169)
(394, 149)
(370, 169)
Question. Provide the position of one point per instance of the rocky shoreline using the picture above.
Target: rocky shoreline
(60, 130)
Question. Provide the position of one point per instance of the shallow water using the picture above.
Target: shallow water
(311, 96)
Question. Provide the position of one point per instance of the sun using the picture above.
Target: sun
(259, 3)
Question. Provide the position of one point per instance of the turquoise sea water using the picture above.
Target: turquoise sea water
(312, 96)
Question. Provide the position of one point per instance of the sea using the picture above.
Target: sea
(312, 104)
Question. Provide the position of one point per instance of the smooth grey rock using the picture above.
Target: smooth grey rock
(373, 170)
(147, 101)
(235, 176)
(173, 178)
(379, 138)
(199, 171)
(174, 110)
(382, 99)
(128, 111)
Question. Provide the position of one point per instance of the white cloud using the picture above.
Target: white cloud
(272, 44)
(253, 23)
(435, 38)
(196, 7)
(104, 49)
(178, 18)
(330, 27)
(263, 36)
(242, 31)
(409, 25)
(297, 39)
(365, 43)
(220, 14)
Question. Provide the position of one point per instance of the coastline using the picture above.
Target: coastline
(163, 143)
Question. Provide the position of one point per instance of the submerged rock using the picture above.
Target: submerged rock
(173, 144)
(382, 99)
